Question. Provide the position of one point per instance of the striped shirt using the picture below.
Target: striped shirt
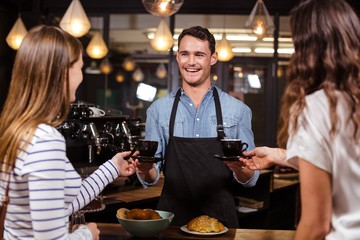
(45, 190)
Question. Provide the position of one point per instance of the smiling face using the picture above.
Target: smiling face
(195, 60)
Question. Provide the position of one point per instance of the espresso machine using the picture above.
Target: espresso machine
(90, 140)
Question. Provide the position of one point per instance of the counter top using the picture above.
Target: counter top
(115, 231)
(283, 183)
(135, 195)
(140, 194)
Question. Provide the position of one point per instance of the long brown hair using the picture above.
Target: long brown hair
(39, 89)
(327, 46)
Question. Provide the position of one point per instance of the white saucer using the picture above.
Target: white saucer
(185, 229)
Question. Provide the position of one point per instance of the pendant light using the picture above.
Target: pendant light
(75, 21)
(119, 77)
(161, 71)
(16, 34)
(260, 21)
(105, 66)
(97, 48)
(224, 48)
(163, 39)
(215, 77)
(129, 64)
(138, 75)
(162, 8)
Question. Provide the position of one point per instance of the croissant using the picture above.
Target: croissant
(205, 224)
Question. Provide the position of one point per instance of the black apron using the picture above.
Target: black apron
(196, 183)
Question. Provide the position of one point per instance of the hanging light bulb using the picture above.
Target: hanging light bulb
(260, 21)
(138, 75)
(162, 8)
(280, 72)
(224, 49)
(215, 77)
(259, 27)
(163, 39)
(161, 71)
(129, 64)
(75, 21)
(97, 48)
(119, 77)
(16, 34)
(105, 66)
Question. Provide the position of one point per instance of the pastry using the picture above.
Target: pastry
(152, 214)
(205, 224)
(122, 212)
(138, 214)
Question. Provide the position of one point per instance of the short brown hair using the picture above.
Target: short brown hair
(200, 33)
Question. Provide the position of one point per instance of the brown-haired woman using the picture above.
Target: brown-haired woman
(321, 118)
(44, 188)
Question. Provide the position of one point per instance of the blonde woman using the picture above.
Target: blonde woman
(44, 188)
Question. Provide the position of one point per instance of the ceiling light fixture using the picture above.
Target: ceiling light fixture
(106, 67)
(75, 21)
(241, 50)
(138, 75)
(280, 39)
(271, 50)
(129, 64)
(162, 8)
(286, 50)
(16, 34)
(163, 39)
(264, 50)
(260, 21)
(224, 48)
(119, 77)
(97, 48)
(215, 77)
(161, 71)
(233, 37)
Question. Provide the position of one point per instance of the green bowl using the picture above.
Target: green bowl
(147, 228)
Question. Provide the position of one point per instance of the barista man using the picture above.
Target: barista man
(188, 124)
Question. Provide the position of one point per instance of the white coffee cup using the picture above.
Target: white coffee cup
(96, 112)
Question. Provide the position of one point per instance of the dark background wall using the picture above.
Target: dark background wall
(7, 19)
(9, 12)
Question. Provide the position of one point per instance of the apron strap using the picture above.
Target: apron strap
(173, 113)
(220, 126)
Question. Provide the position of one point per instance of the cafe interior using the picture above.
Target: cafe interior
(130, 61)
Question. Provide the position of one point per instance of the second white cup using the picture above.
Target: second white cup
(96, 112)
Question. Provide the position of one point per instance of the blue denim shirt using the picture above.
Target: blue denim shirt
(199, 123)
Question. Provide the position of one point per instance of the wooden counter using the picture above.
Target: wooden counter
(283, 183)
(114, 231)
(280, 209)
(139, 194)
(136, 195)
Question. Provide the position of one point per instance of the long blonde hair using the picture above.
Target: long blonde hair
(327, 48)
(39, 89)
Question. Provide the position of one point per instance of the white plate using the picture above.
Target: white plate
(185, 229)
